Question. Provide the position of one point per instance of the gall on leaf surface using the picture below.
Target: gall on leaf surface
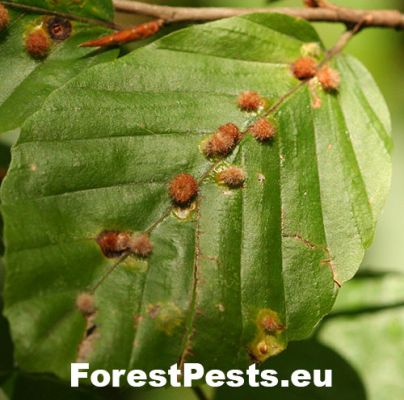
(99, 156)
(27, 80)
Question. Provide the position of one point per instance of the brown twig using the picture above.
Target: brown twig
(371, 18)
(345, 39)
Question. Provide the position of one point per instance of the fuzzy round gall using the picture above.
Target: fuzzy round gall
(231, 131)
(183, 189)
(141, 245)
(113, 243)
(37, 43)
(4, 17)
(329, 78)
(85, 303)
(223, 141)
(304, 68)
(233, 177)
(250, 101)
(263, 130)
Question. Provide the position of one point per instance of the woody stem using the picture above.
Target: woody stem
(370, 18)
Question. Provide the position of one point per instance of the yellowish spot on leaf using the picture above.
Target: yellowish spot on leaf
(166, 315)
(270, 337)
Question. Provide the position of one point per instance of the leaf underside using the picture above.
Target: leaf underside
(26, 82)
(99, 155)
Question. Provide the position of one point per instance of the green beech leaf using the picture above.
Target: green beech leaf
(99, 155)
(26, 82)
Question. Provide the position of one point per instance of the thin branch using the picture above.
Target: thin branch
(371, 18)
(344, 39)
(43, 11)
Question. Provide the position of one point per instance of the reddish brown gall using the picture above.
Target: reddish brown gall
(183, 189)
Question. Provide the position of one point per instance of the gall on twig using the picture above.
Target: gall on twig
(137, 32)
